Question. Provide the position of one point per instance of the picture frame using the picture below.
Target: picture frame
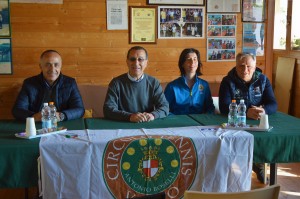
(5, 56)
(219, 6)
(181, 22)
(4, 19)
(177, 2)
(139, 32)
(253, 38)
(253, 11)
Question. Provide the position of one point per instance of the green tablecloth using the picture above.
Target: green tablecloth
(18, 157)
(280, 145)
(170, 121)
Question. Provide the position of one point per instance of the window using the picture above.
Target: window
(280, 23)
(295, 28)
(286, 29)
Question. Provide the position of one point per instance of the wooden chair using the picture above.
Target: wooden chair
(269, 192)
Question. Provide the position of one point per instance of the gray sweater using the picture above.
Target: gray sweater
(125, 97)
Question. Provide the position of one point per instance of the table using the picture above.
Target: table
(280, 145)
(18, 157)
(123, 163)
(170, 121)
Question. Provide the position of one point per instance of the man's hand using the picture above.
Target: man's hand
(141, 117)
(255, 111)
(37, 117)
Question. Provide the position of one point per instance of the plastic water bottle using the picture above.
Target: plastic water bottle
(232, 114)
(242, 113)
(46, 117)
(53, 116)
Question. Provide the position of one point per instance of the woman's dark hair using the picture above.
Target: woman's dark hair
(182, 59)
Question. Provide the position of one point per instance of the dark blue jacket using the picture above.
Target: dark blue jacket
(258, 92)
(31, 97)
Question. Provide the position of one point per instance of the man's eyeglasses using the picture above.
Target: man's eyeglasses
(133, 59)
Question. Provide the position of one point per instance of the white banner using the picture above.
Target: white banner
(135, 162)
(38, 1)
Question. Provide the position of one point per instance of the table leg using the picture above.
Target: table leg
(26, 193)
(273, 173)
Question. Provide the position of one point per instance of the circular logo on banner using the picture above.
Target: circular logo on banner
(137, 166)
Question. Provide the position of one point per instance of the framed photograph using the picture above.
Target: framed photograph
(142, 24)
(176, 22)
(223, 6)
(223, 25)
(253, 38)
(5, 56)
(221, 49)
(177, 2)
(253, 11)
(4, 18)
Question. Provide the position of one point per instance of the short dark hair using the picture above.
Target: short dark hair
(137, 48)
(48, 51)
(182, 59)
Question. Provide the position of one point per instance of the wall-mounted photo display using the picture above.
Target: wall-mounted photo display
(4, 18)
(5, 56)
(221, 49)
(176, 22)
(253, 11)
(221, 33)
(253, 38)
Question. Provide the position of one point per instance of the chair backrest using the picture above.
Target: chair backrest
(216, 104)
(270, 192)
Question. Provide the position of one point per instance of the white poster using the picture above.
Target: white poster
(117, 15)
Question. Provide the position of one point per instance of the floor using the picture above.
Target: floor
(288, 176)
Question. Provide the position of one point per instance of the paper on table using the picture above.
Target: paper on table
(40, 133)
(247, 127)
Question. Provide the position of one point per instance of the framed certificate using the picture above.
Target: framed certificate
(253, 11)
(142, 24)
(223, 6)
(177, 2)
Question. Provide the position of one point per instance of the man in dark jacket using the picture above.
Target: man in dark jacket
(49, 85)
(245, 81)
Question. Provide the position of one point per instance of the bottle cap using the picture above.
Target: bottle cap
(45, 104)
(233, 100)
(51, 103)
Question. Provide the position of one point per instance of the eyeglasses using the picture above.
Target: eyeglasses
(133, 59)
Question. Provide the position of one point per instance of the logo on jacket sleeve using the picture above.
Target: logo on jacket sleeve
(137, 166)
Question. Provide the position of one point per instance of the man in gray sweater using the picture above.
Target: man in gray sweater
(135, 96)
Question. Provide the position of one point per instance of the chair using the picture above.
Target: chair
(269, 192)
(216, 104)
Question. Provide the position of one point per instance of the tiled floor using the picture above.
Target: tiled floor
(288, 176)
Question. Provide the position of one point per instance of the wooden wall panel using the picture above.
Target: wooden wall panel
(91, 53)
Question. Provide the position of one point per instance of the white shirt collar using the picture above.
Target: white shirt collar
(135, 80)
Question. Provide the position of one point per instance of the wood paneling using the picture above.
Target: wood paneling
(91, 53)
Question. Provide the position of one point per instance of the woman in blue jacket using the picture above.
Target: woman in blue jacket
(189, 94)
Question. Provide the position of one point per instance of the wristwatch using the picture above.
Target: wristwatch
(61, 116)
